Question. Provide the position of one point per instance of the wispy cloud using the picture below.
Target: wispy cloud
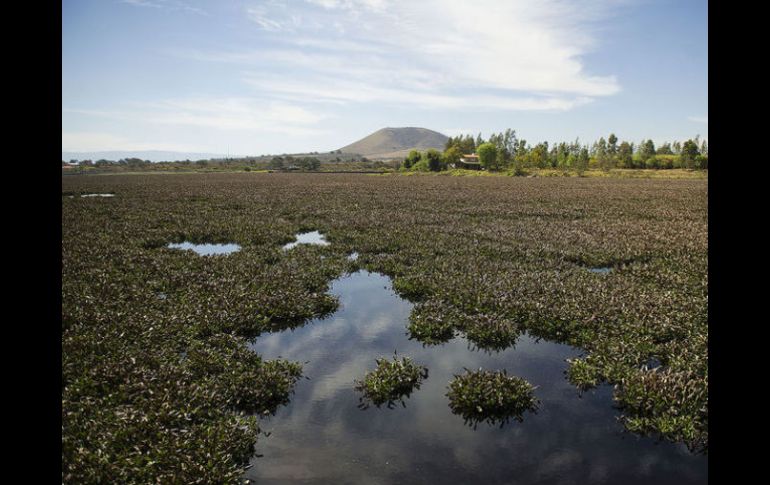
(166, 5)
(699, 119)
(262, 17)
(514, 55)
(302, 63)
(224, 114)
(321, 89)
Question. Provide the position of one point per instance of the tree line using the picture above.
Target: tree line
(505, 151)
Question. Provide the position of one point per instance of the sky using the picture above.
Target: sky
(290, 76)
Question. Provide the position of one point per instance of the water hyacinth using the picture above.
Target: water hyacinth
(391, 382)
(509, 254)
(651, 407)
(429, 325)
(491, 397)
(582, 374)
(492, 333)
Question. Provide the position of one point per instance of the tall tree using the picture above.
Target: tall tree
(451, 156)
(625, 155)
(689, 154)
(664, 149)
(509, 142)
(646, 151)
(612, 151)
(487, 153)
(602, 158)
(582, 161)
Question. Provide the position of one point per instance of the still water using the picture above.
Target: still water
(313, 237)
(602, 270)
(206, 249)
(322, 436)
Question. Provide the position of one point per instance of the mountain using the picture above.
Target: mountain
(396, 142)
(152, 155)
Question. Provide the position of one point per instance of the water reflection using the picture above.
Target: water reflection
(206, 249)
(602, 270)
(313, 237)
(322, 437)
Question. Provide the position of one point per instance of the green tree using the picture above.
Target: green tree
(538, 156)
(411, 159)
(646, 151)
(487, 153)
(652, 162)
(602, 157)
(562, 155)
(467, 145)
(451, 156)
(276, 163)
(581, 164)
(625, 155)
(612, 150)
(433, 158)
(509, 143)
(689, 154)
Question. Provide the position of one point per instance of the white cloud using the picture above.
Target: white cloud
(142, 3)
(224, 114)
(699, 119)
(329, 90)
(259, 15)
(166, 5)
(514, 55)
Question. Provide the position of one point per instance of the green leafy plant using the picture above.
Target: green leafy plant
(491, 397)
(391, 382)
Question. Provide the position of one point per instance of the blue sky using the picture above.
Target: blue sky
(282, 76)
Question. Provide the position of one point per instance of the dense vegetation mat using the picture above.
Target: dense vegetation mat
(158, 384)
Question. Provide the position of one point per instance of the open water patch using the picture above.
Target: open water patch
(312, 237)
(600, 270)
(206, 249)
(322, 436)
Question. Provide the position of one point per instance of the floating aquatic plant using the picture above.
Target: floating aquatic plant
(491, 397)
(391, 382)
(513, 248)
(492, 333)
(430, 326)
(582, 374)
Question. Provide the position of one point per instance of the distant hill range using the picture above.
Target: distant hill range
(152, 155)
(387, 143)
(396, 142)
